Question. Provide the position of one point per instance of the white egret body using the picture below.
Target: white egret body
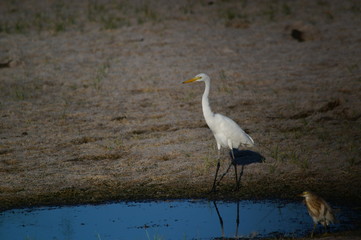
(226, 132)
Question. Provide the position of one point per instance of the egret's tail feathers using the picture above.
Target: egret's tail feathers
(251, 139)
(249, 142)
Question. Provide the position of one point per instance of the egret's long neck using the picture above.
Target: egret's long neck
(207, 111)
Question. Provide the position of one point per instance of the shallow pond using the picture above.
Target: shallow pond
(180, 219)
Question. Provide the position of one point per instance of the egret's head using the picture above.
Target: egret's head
(199, 78)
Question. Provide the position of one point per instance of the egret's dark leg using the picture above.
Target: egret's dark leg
(225, 173)
(235, 169)
(236, 173)
(232, 163)
(215, 176)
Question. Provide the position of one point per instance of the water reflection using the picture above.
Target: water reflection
(263, 219)
(221, 219)
(163, 220)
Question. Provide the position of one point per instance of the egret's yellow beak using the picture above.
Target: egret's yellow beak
(192, 80)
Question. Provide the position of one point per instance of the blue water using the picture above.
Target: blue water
(182, 219)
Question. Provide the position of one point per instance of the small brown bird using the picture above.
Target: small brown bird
(318, 209)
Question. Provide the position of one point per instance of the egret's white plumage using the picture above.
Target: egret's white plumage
(226, 132)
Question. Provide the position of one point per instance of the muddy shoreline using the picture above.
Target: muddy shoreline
(108, 192)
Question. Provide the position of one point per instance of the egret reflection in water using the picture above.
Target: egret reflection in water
(261, 217)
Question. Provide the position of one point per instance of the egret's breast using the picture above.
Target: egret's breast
(221, 139)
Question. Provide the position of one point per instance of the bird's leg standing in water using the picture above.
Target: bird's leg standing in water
(313, 230)
(218, 165)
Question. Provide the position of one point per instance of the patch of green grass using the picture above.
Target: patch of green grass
(322, 3)
(73, 86)
(145, 13)
(272, 168)
(109, 16)
(62, 16)
(322, 134)
(235, 17)
(304, 164)
(100, 75)
(63, 19)
(19, 93)
(189, 96)
(270, 12)
(57, 19)
(286, 9)
(225, 87)
(111, 145)
(95, 10)
(39, 21)
(291, 155)
(115, 15)
(276, 154)
(19, 26)
(353, 68)
(208, 162)
(352, 149)
(5, 27)
(188, 7)
(59, 27)
(222, 75)
(294, 157)
(352, 161)
(354, 8)
(65, 108)
(118, 142)
(112, 22)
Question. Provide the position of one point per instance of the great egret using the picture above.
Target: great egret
(226, 132)
(318, 209)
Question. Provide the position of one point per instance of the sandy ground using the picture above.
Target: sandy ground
(92, 105)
